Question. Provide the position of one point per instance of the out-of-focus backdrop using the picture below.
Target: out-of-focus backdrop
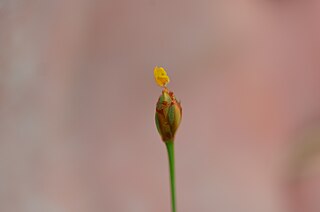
(77, 102)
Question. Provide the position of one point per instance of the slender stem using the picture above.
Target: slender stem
(170, 148)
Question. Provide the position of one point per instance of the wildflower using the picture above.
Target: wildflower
(168, 111)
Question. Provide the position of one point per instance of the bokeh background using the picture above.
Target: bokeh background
(77, 101)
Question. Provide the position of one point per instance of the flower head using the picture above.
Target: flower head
(168, 111)
(160, 76)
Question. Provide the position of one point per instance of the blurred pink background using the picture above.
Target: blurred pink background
(77, 102)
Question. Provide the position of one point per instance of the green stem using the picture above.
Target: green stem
(170, 148)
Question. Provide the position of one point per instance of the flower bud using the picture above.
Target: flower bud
(168, 115)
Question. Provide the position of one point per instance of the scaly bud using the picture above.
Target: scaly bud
(168, 115)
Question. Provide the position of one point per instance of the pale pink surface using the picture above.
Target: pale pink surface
(77, 106)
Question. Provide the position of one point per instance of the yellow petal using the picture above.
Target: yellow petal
(160, 76)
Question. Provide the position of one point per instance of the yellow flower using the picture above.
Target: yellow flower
(161, 77)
